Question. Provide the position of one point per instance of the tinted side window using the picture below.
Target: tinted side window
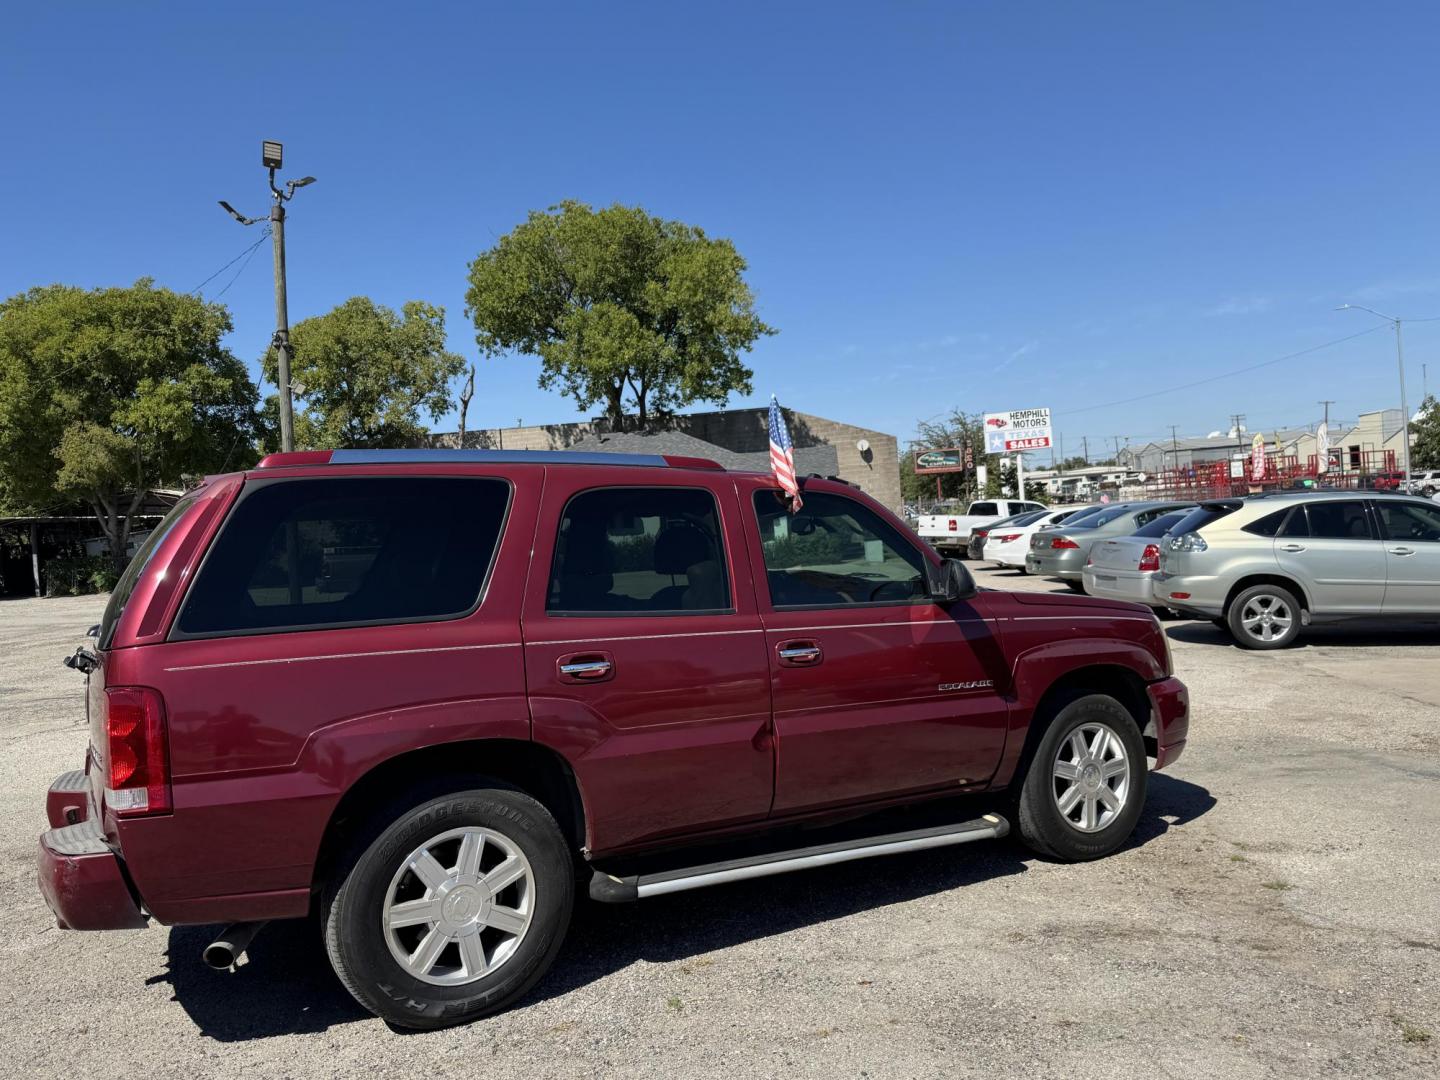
(639, 551)
(835, 551)
(1339, 520)
(1295, 525)
(1269, 525)
(984, 508)
(1410, 521)
(310, 554)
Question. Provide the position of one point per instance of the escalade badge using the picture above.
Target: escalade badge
(975, 684)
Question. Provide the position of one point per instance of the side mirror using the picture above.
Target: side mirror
(949, 582)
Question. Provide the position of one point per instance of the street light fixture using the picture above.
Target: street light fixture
(272, 155)
(1404, 405)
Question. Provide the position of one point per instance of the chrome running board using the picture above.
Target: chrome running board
(615, 890)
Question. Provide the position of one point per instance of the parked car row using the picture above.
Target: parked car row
(1265, 567)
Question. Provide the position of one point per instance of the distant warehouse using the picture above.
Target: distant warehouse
(736, 438)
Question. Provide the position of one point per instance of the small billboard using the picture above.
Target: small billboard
(1019, 429)
(949, 460)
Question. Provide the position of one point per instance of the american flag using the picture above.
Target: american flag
(782, 456)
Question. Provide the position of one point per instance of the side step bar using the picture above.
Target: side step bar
(616, 890)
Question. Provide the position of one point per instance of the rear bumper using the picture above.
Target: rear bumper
(1066, 564)
(83, 882)
(1170, 708)
(1191, 594)
(1131, 585)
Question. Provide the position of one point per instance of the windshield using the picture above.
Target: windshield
(1080, 514)
(1163, 524)
(1201, 516)
(1103, 516)
(126, 585)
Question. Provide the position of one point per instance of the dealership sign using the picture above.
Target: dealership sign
(1020, 429)
(940, 461)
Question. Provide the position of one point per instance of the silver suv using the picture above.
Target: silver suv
(1269, 565)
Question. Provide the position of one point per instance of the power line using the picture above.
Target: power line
(248, 251)
(248, 256)
(1225, 375)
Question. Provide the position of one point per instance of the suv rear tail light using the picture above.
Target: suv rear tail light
(1060, 543)
(953, 525)
(137, 760)
(1150, 557)
(1189, 542)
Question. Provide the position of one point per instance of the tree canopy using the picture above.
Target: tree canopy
(1425, 433)
(367, 374)
(106, 393)
(615, 301)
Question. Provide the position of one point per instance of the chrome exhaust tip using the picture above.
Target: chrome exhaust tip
(224, 952)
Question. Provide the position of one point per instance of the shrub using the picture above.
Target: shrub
(73, 577)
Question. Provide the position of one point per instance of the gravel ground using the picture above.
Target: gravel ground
(1277, 915)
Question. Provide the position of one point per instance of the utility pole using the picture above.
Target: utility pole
(1085, 446)
(1174, 447)
(271, 158)
(1395, 321)
(1117, 439)
(1326, 406)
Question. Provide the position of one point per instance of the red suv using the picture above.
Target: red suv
(415, 692)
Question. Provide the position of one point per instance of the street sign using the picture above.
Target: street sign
(940, 461)
(1019, 429)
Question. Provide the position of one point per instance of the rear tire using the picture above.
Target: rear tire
(1076, 587)
(451, 908)
(1084, 792)
(1264, 617)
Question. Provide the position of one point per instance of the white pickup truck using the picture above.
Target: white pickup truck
(952, 531)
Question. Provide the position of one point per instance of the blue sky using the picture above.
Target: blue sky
(984, 205)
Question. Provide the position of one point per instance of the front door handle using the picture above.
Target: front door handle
(1401, 551)
(799, 653)
(1292, 547)
(585, 667)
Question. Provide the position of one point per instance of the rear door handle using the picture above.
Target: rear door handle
(799, 653)
(1292, 547)
(1401, 551)
(585, 667)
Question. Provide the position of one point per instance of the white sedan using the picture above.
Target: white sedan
(1007, 545)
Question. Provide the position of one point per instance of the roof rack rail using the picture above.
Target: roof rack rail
(434, 456)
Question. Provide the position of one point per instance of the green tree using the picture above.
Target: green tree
(615, 300)
(106, 393)
(367, 374)
(1425, 432)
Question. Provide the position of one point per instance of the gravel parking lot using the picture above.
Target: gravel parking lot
(1278, 914)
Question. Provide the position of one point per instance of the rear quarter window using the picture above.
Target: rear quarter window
(316, 554)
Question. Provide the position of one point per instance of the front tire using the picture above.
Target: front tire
(1085, 787)
(451, 909)
(1264, 617)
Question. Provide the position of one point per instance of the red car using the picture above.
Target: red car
(415, 692)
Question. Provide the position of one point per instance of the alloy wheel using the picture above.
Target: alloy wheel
(1267, 617)
(1091, 775)
(459, 906)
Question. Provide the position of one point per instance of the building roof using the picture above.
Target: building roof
(820, 460)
